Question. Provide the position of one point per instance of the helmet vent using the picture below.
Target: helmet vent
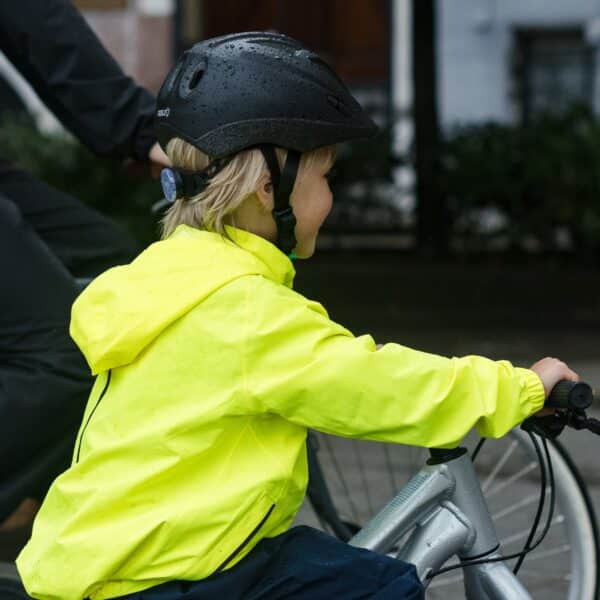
(339, 105)
(195, 80)
(317, 60)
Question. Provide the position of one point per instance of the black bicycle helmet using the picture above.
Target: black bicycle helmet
(259, 89)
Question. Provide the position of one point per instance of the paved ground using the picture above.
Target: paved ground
(520, 313)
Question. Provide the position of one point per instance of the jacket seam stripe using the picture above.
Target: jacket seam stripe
(91, 414)
(246, 540)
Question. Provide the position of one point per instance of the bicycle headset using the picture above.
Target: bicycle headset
(255, 90)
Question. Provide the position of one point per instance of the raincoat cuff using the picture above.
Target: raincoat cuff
(532, 394)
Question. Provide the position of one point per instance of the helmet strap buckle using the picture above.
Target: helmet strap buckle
(284, 217)
(283, 184)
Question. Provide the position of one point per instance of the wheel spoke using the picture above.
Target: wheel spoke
(512, 479)
(492, 476)
(530, 499)
(535, 555)
(341, 478)
(543, 574)
(363, 477)
(519, 535)
(392, 472)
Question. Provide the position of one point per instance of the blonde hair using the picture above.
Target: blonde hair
(237, 181)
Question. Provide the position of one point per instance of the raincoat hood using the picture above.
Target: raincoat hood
(126, 308)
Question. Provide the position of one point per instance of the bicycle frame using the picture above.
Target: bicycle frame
(445, 501)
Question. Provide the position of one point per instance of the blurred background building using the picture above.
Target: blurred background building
(434, 75)
(506, 61)
(497, 60)
(145, 35)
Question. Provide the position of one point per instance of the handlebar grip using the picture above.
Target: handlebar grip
(568, 394)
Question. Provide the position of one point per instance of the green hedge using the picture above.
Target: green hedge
(125, 194)
(540, 177)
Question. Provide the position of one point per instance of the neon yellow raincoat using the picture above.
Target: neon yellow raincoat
(210, 369)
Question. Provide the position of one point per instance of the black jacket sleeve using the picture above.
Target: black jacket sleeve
(52, 46)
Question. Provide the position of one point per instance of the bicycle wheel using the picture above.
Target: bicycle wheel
(361, 477)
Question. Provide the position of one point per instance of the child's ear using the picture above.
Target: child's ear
(264, 192)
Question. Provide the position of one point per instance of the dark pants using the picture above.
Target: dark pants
(302, 563)
(46, 237)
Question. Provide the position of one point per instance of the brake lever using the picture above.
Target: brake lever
(549, 427)
(593, 425)
(581, 421)
(577, 420)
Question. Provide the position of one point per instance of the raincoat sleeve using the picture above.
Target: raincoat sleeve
(310, 370)
(53, 47)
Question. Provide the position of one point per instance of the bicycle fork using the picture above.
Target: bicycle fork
(446, 502)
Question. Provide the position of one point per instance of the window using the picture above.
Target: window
(553, 70)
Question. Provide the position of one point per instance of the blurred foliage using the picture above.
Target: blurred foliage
(125, 193)
(362, 184)
(539, 178)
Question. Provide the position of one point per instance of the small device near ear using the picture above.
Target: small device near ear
(171, 183)
(178, 184)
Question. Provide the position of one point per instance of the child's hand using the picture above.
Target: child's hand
(551, 371)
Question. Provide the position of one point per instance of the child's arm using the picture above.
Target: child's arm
(312, 371)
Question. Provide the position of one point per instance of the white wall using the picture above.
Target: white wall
(474, 45)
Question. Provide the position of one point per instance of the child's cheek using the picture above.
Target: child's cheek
(329, 206)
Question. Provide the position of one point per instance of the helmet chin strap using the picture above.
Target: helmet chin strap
(283, 184)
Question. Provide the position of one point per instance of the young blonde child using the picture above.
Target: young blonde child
(190, 463)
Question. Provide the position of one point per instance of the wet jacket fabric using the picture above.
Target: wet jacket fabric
(209, 370)
(56, 51)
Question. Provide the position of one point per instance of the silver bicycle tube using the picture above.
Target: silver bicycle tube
(493, 581)
(440, 535)
(447, 505)
(489, 581)
(415, 502)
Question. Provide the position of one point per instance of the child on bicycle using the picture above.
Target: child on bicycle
(190, 463)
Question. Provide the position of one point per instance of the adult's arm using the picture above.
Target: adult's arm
(53, 47)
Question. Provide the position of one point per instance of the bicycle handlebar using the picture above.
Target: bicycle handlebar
(569, 399)
(570, 395)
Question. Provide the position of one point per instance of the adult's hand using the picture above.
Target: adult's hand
(158, 160)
